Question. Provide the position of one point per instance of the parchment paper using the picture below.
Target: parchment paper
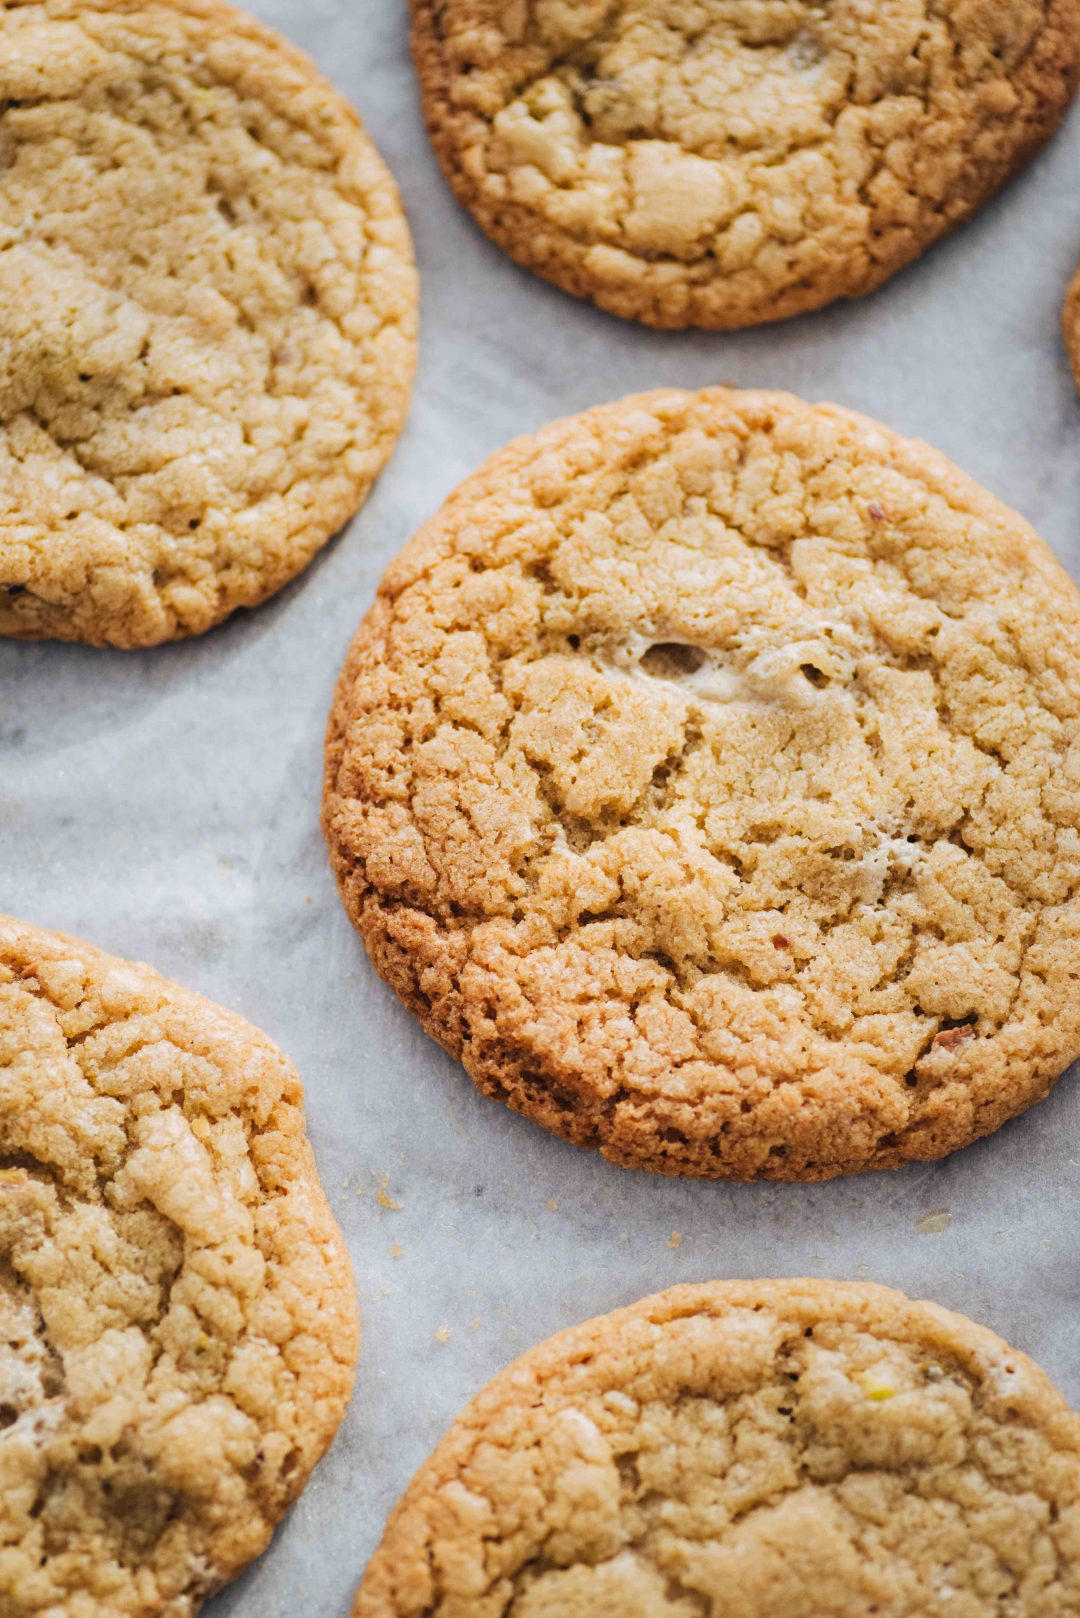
(164, 805)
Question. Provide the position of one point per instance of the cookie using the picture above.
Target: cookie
(706, 777)
(178, 1326)
(748, 1449)
(692, 163)
(1070, 321)
(207, 316)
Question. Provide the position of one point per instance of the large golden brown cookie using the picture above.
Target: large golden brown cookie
(721, 162)
(207, 316)
(706, 777)
(177, 1319)
(749, 1449)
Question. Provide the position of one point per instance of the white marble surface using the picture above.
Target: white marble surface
(165, 805)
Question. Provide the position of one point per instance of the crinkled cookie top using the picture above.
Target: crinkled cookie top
(720, 162)
(207, 316)
(787, 1449)
(177, 1318)
(707, 777)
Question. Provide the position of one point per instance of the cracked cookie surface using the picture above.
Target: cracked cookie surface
(722, 162)
(178, 1325)
(785, 1449)
(706, 777)
(207, 316)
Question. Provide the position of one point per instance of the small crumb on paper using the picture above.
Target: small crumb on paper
(552, 1205)
(443, 1333)
(382, 1196)
(675, 1239)
(396, 1250)
(934, 1222)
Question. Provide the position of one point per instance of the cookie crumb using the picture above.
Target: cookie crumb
(396, 1250)
(552, 1205)
(443, 1333)
(382, 1196)
(933, 1222)
(675, 1239)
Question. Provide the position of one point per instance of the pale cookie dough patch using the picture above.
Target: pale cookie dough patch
(207, 316)
(177, 1320)
(691, 162)
(787, 1449)
(705, 778)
